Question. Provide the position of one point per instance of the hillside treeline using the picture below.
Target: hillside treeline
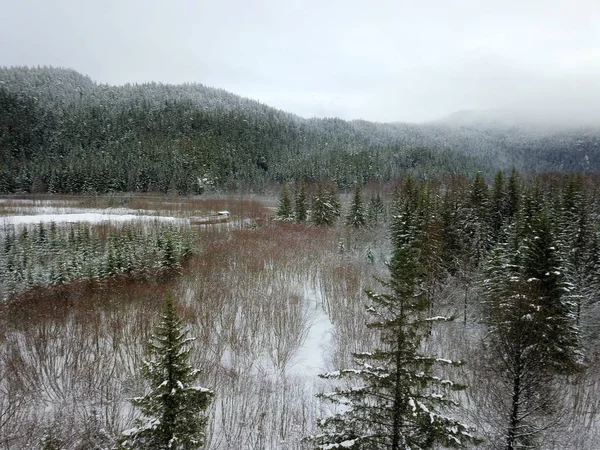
(60, 132)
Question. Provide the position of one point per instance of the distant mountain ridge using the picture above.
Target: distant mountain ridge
(60, 131)
(536, 120)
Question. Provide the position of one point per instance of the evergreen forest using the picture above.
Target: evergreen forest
(374, 287)
(60, 132)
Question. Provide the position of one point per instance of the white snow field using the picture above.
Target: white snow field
(90, 217)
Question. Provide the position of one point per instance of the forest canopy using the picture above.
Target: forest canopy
(61, 132)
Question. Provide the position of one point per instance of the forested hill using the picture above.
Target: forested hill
(62, 132)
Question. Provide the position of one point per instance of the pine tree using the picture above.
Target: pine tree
(513, 196)
(497, 202)
(477, 230)
(356, 214)
(169, 258)
(375, 210)
(285, 211)
(579, 247)
(301, 210)
(396, 402)
(325, 206)
(531, 338)
(174, 407)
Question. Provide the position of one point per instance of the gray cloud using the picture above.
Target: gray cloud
(379, 60)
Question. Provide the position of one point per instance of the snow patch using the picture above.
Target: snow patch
(81, 217)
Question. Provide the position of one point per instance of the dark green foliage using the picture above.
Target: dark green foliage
(577, 231)
(479, 195)
(325, 207)
(60, 132)
(300, 205)
(169, 259)
(47, 255)
(285, 210)
(477, 231)
(375, 210)
(356, 215)
(454, 246)
(51, 439)
(174, 407)
(545, 276)
(513, 195)
(498, 200)
(532, 334)
(396, 401)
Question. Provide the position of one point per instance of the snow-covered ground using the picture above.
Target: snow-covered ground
(90, 217)
(25, 212)
(310, 358)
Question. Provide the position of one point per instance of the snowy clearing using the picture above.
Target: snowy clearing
(90, 217)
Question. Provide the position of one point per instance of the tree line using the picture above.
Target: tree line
(62, 133)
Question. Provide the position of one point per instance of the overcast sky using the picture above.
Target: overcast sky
(394, 60)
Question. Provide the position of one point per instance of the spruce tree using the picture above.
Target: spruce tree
(285, 211)
(356, 214)
(550, 291)
(375, 210)
(301, 210)
(531, 337)
(174, 407)
(513, 196)
(325, 206)
(397, 401)
(477, 229)
(579, 243)
(497, 202)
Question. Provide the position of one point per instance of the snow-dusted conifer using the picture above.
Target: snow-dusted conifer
(285, 210)
(531, 336)
(396, 401)
(477, 231)
(301, 209)
(325, 208)
(174, 407)
(356, 215)
(375, 210)
(497, 206)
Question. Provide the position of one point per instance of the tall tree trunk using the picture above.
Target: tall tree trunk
(511, 436)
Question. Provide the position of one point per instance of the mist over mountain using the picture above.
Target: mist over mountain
(62, 132)
(534, 119)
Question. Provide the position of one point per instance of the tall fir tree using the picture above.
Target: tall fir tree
(396, 401)
(325, 208)
(579, 244)
(542, 268)
(513, 196)
(375, 210)
(285, 210)
(356, 214)
(300, 207)
(532, 338)
(174, 407)
(497, 208)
